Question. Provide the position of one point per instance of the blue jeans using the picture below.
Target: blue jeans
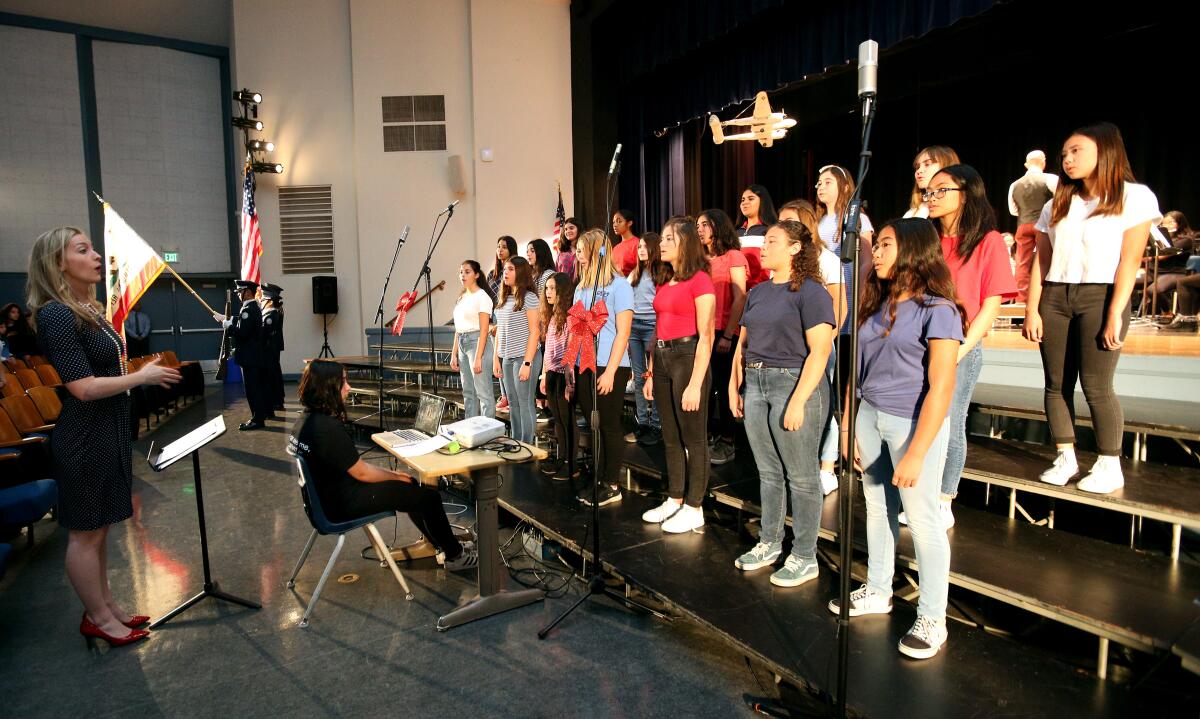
(829, 440)
(956, 449)
(477, 388)
(786, 460)
(639, 347)
(522, 417)
(882, 441)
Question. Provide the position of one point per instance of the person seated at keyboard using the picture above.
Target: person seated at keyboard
(349, 487)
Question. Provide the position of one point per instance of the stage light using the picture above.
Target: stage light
(247, 97)
(247, 124)
(261, 146)
(268, 167)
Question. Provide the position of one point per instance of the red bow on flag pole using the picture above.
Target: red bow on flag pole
(403, 305)
(582, 325)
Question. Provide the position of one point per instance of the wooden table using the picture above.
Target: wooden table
(480, 466)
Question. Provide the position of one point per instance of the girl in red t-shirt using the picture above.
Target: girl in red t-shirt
(683, 308)
(728, 269)
(978, 261)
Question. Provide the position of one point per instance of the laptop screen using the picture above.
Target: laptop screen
(429, 414)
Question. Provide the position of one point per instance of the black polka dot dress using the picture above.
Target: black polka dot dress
(91, 449)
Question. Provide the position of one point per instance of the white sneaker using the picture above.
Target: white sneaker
(662, 512)
(946, 513)
(903, 519)
(687, 519)
(924, 639)
(829, 482)
(1105, 477)
(864, 601)
(1063, 469)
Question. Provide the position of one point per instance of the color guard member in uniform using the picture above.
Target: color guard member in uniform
(272, 304)
(248, 352)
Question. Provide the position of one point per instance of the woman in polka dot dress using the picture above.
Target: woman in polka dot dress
(91, 445)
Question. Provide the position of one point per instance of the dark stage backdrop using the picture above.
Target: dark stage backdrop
(993, 83)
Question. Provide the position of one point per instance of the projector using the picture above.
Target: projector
(474, 431)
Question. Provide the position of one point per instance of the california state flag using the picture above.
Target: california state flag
(132, 267)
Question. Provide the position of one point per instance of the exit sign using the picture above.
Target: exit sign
(170, 257)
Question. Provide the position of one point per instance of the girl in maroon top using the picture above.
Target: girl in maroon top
(983, 278)
(558, 379)
(757, 213)
(728, 269)
(683, 308)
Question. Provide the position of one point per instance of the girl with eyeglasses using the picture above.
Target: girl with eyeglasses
(926, 164)
(909, 330)
(684, 305)
(756, 213)
(1091, 238)
(728, 269)
(979, 265)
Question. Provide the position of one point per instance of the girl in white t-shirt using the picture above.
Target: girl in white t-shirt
(831, 274)
(470, 356)
(1091, 238)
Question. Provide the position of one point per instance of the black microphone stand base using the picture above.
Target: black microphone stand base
(211, 589)
(597, 587)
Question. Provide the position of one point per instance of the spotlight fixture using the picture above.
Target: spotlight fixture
(247, 97)
(261, 146)
(247, 124)
(269, 167)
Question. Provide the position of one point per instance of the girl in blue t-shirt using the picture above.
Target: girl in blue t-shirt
(909, 330)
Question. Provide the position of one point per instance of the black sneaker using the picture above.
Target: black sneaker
(560, 473)
(605, 494)
(550, 466)
(650, 437)
(469, 559)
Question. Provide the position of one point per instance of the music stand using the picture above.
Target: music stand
(191, 443)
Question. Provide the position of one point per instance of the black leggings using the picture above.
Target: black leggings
(1189, 294)
(562, 413)
(422, 504)
(612, 434)
(1072, 350)
(722, 424)
(683, 432)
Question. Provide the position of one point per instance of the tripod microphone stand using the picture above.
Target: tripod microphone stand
(596, 585)
(379, 321)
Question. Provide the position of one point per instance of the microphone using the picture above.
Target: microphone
(612, 166)
(868, 69)
(450, 207)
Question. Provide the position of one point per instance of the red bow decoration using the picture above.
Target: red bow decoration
(403, 305)
(582, 326)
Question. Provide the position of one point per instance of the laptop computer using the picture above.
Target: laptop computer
(430, 409)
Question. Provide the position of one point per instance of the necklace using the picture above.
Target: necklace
(112, 335)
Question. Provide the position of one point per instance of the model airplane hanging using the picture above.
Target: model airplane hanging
(765, 126)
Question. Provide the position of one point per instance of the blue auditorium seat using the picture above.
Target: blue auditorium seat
(25, 504)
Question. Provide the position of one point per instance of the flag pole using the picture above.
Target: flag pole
(170, 269)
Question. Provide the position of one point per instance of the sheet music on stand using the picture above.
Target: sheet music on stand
(185, 445)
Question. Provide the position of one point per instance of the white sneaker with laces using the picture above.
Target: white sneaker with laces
(924, 639)
(1062, 470)
(946, 513)
(864, 601)
(662, 512)
(829, 482)
(1105, 477)
(687, 519)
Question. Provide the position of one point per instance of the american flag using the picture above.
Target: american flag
(560, 216)
(251, 235)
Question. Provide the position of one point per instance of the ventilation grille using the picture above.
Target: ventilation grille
(414, 123)
(306, 229)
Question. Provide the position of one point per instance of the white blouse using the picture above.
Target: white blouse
(1087, 248)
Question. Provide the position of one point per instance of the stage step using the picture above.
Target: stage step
(1137, 599)
(1188, 649)
(1143, 416)
(792, 632)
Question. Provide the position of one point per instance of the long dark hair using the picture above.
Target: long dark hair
(976, 217)
(565, 245)
(564, 297)
(806, 263)
(690, 258)
(766, 206)
(321, 388)
(498, 268)
(920, 270)
(1181, 228)
(481, 282)
(725, 238)
(522, 283)
(1112, 172)
(543, 259)
(648, 267)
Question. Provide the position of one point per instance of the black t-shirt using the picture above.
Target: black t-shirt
(325, 444)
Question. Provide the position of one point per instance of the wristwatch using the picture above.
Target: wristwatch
(526, 364)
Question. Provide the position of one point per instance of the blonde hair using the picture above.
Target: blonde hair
(599, 270)
(47, 283)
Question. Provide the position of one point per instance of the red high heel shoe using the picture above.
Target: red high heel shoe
(137, 621)
(91, 632)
